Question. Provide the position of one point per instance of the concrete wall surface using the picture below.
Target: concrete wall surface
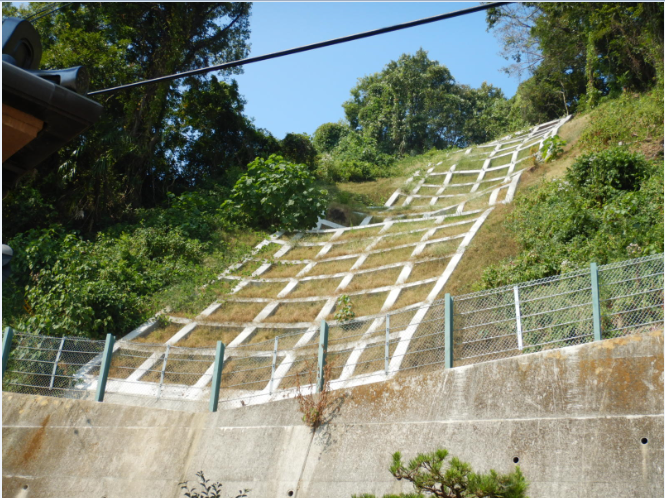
(574, 417)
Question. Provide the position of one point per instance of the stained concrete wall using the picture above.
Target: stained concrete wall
(574, 417)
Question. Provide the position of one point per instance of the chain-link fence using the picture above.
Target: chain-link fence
(50, 366)
(532, 316)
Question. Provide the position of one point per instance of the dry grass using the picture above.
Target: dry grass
(400, 240)
(367, 304)
(430, 269)
(250, 373)
(440, 249)
(377, 191)
(415, 225)
(420, 201)
(359, 234)
(426, 349)
(450, 231)
(231, 311)
(372, 358)
(332, 267)
(261, 289)
(480, 202)
(296, 312)
(205, 336)
(490, 245)
(373, 280)
(413, 295)
(160, 335)
(181, 368)
(124, 362)
(283, 270)
(268, 336)
(317, 287)
(337, 360)
(530, 150)
(353, 247)
(307, 237)
(387, 258)
(302, 252)
(442, 202)
(301, 366)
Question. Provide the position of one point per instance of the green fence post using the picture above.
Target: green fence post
(595, 296)
(217, 376)
(104, 369)
(6, 348)
(323, 349)
(449, 330)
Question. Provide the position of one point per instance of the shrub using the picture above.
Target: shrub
(275, 193)
(213, 490)
(608, 208)
(427, 474)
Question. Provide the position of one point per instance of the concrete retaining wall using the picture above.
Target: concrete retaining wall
(574, 417)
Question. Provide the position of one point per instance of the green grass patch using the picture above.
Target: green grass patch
(361, 233)
(387, 257)
(400, 239)
(440, 249)
(352, 247)
(332, 267)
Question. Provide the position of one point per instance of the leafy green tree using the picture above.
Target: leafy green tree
(578, 52)
(298, 148)
(275, 193)
(410, 106)
(430, 478)
(328, 135)
(123, 161)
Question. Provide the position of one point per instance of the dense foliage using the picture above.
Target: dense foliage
(609, 207)
(277, 194)
(456, 479)
(575, 53)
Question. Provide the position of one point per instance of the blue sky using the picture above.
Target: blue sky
(300, 92)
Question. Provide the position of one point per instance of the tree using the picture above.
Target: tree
(328, 135)
(123, 161)
(277, 194)
(411, 106)
(427, 474)
(298, 148)
(578, 52)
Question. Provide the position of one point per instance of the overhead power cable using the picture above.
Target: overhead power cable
(305, 48)
(60, 6)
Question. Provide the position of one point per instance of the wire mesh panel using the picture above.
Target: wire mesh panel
(50, 366)
(484, 326)
(631, 295)
(556, 312)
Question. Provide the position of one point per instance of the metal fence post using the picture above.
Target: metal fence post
(217, 376)
(518, 318)
(387, 353)
(6, 348)
(104, 369)
(595, 296)
(55, 363)
(161, 376)
(274, 364)
(449, 330)
(323, 349)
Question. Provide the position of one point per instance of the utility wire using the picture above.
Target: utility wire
(49, 5)
(304, 48)
(61, 6)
